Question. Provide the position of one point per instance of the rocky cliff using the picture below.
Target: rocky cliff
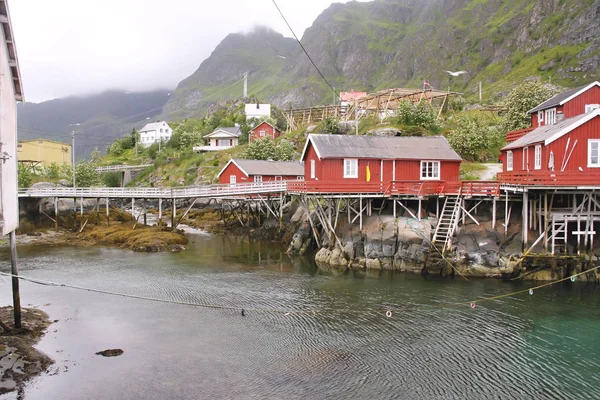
(392, 43)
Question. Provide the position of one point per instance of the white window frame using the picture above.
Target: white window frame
(591, 107)
(232, 179)
(592, 142)
(258, 178)
(350, 167)
(509, 160)
(550, 116)
(537, 163)
(434, 177)
(525, 166)
(540, 118)
(313, 169)
(262, 133)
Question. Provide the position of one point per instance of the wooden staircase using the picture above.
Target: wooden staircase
(558, 234)
(442, 237)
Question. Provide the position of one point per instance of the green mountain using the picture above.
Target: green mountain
(401, 43)
(102, 118)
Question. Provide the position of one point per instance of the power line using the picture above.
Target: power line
(303, 49)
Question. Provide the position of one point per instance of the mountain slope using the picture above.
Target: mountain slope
(395, 43)
(102, 117)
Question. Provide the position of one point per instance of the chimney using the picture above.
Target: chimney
(560, 116)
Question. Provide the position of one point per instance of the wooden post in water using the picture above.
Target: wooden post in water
(133, 207)
(159, 211)
(107, 213)
(525, 212)
(15, 280)
(56, 213)
(173, 213)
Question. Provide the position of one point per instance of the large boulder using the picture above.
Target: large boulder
(413, 231)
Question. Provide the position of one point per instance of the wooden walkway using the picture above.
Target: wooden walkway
(122, 168)
(188, 192)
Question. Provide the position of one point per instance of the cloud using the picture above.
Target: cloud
(74, 47)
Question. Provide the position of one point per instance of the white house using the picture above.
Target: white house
(12, 91)
(257, 110)
(154, 132)
(221, 139)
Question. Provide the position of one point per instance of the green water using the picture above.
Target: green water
(336, 342)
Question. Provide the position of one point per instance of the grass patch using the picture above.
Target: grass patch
(471, 171)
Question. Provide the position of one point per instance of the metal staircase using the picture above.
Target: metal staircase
(442, 237)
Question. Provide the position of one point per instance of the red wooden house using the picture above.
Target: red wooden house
(257, 171)
(570, 103)
(368, 164)
(561, 147)
(566, 153)
(262, 130)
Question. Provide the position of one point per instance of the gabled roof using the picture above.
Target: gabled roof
(13, 60)
(563, 97)
(233, 131)
(380, 147)
(267, 168)
(265, 122)
(549, 133)
(153, 126)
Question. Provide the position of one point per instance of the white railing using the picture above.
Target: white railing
(210, 191)
(112, 168)
(211, 148)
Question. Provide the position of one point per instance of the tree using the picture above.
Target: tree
(417, 114)
(267, 149)
(330, 126)
(522, 99)
(473, 140)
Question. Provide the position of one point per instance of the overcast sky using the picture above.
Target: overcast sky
(70, 47)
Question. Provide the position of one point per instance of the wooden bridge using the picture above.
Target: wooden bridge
(122, 168)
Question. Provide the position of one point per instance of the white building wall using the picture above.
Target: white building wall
(263, 111)
(9, 203)
(147, 138)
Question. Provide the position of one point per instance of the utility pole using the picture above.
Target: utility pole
(246, 84)
(356, 116)
(15, 280)
(73, 155)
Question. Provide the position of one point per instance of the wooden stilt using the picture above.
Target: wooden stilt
(133, 207)
(506, 215)
(525, 223)
(107, 213)
(56, 213)
(420, 209)
(361, 213)
(494, 213)
(159, 212)
(173, 212)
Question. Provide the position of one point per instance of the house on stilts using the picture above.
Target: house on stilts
(554, 166)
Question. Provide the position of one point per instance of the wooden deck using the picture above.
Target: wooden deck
(539, 179)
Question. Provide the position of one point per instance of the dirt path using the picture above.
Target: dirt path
(490, 172)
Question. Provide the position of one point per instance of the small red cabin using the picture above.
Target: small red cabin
(566, 153)
(262, 130)
(256, 171)
(371, 163)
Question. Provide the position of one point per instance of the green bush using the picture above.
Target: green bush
(474, 141)
(112, 179)
(330, 126)
(267, 149)
(417, 114)
(522, 99)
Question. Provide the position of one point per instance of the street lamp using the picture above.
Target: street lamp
(73, 151)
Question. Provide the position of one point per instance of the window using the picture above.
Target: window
(313, 173)
(538, 157)
(591, 107)
(430, 170)
(594, 153)
(525, 166)
(232, 179)
(540, 118)
(350, 168)
(300, 178)
(223, 142)
(261, 133)
(509, 160)
(161, 131)
(551, 116)
(258, 178)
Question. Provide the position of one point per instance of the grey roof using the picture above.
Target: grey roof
(274, 168)
(403, 147)
(545, 132)
(234, 130)
(559, 98)
(152, 126)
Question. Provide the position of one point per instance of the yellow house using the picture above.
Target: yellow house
(44, 151)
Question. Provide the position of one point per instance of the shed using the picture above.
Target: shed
(247, 171)
(364, 160)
